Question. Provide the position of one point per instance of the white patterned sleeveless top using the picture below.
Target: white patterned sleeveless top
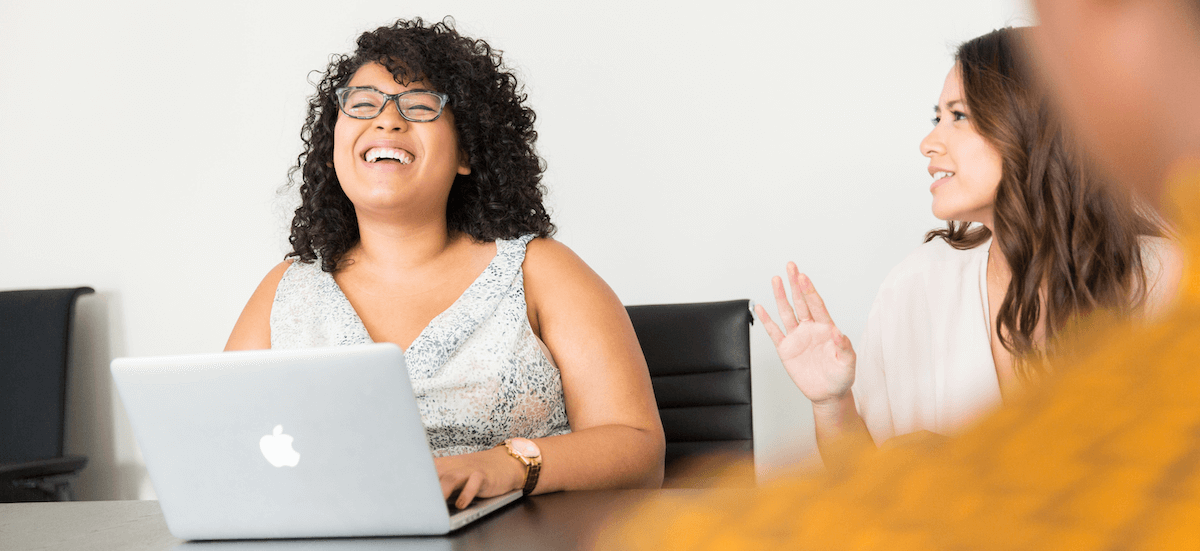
(479, 372)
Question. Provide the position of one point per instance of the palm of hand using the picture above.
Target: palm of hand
(813, 360)
(817, 356)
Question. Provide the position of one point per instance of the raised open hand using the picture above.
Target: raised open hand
(817, 356)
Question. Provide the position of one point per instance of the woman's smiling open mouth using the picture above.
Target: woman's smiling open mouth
(377, 154)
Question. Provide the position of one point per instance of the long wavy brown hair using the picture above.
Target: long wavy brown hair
(1070, 239)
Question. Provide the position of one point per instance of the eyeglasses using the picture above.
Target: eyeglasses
(367, 103)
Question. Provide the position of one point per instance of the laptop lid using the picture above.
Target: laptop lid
(321, 442)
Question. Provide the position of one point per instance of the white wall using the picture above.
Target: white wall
(128, 164)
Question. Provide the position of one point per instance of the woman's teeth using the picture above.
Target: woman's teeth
(378, 153)
(940, 175)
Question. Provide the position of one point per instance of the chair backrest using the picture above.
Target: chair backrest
(35, 330)
(699, 360)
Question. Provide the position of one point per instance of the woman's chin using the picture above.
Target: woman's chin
(942, 213)
(947, 213)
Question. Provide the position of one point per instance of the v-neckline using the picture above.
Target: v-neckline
(987, 313)
(424, 331)
(991, 327)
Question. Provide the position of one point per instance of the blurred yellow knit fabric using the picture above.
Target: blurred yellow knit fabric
(1105, 454)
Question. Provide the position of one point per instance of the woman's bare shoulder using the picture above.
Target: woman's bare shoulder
(558, 279)
(253, 328)
(551, 262)
(547, 252)
(271, 281)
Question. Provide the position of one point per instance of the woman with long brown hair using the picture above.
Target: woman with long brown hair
(1034, 240)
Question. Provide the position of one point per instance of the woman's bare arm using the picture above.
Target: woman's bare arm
(821, 361)
(617, 437)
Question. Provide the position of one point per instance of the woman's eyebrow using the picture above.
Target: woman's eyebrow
(369, 87)
(949, 105)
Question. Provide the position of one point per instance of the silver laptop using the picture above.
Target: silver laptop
(324, 442)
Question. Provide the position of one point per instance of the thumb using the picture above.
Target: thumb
(842, 342)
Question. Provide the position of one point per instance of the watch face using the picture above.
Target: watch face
(525, 447)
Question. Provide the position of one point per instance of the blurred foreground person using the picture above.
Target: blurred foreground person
(1106, 453)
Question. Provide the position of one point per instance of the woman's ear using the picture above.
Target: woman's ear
(464, 163)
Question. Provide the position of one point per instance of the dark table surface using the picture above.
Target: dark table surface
(564, 520)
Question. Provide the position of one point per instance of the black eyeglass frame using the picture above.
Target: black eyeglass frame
(341, 93)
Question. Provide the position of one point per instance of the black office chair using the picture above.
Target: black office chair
(35, 331)
(699, 359)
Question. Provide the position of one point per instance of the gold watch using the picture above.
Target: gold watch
(527, 452)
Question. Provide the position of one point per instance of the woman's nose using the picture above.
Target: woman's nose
(932, 144)
(390, 118)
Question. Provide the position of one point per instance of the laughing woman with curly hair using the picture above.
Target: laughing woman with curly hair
(422, 224)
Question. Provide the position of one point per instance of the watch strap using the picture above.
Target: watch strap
(532, 469)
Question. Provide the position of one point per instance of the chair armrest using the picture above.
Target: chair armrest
(40, 468)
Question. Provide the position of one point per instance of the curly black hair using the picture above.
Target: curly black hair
(502, 196)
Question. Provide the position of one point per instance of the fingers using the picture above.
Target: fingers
(814, 304)
(786, 316)
(798, 296)
(769, 324)
(452, 477)
(469, 490)
(806, 305)
(450, 483)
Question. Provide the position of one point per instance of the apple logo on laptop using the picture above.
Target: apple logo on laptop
(277, 448)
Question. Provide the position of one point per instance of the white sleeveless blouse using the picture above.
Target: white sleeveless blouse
(925, 360)
(479, 373)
